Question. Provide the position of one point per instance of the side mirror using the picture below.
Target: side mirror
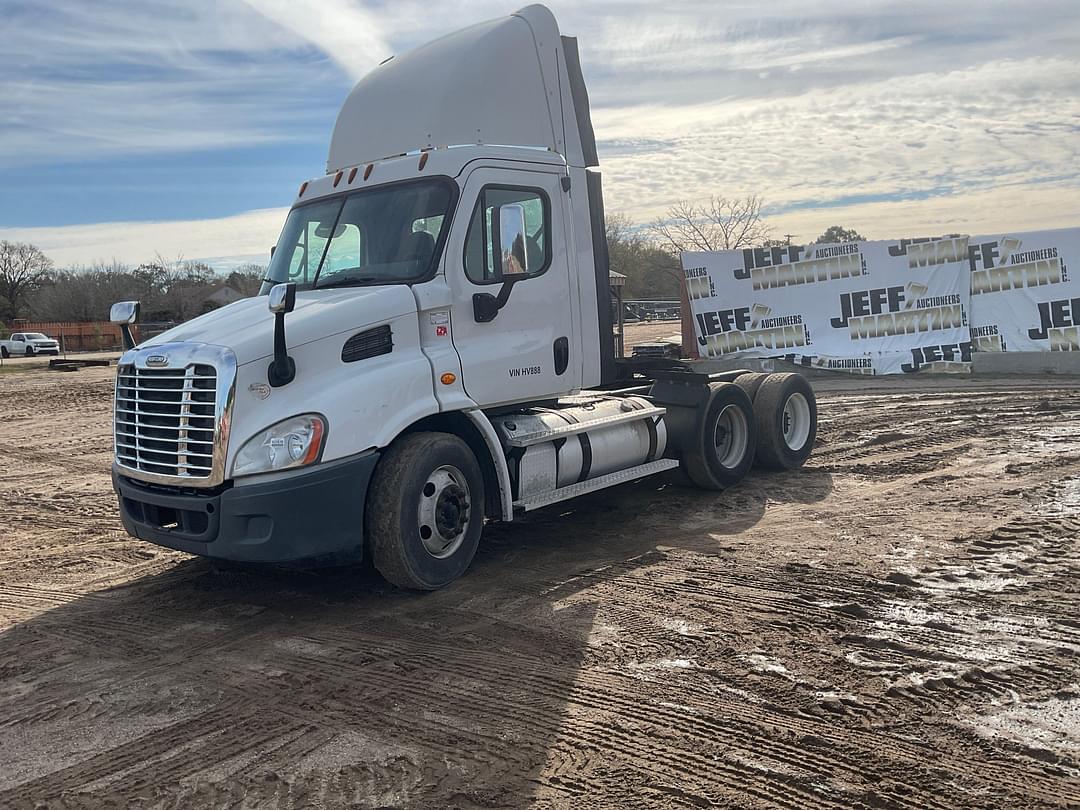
(282, 298)
(125, 313)
(514, 256)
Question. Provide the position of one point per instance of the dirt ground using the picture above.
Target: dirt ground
(897, 625)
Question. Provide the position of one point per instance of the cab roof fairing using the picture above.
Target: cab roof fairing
(511, 81)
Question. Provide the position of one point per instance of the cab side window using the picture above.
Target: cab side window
(509, 235)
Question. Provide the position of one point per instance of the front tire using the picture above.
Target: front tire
(29, 351)
(425, 511)
(4, 352)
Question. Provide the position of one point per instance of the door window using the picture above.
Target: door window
(509, 235)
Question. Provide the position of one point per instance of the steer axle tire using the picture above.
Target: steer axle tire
(786, 414)
(425, 511)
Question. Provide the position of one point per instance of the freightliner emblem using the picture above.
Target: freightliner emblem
(157, 360)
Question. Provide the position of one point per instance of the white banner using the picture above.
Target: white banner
(1023, 296)
(864, 307)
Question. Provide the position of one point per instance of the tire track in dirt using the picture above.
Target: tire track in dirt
(871, 632)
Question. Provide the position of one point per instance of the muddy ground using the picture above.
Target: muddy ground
(896, 625)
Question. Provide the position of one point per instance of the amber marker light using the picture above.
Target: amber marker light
(317, 431)
(337, 178)
(423, 161)
(448, 378)
(303, 188)
(352, 175)
(367, 171)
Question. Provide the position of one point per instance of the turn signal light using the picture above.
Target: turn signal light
(448, 378)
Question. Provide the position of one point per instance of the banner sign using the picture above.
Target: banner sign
(866, 307)
(1023, 296)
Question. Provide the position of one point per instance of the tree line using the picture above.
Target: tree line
(172, 291)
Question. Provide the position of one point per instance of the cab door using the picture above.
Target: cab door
(512, 317)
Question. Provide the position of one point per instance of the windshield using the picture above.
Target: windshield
(385, 235)
(35, 336)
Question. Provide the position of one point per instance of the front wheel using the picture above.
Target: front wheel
(425, 511)
(29, 351)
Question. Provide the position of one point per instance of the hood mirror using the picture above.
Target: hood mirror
(282, 298)
(125, 313)
(282, 369)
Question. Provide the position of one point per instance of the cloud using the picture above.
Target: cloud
(224, 241)
(943, 116)
(349, 34)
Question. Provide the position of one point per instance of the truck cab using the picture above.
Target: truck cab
(438, 349)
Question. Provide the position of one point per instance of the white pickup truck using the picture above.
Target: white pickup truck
(28, 344)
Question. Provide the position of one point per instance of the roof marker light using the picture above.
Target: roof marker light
(352, 175)
(337, 178)
(303, 188)
(423, 161)
(367, 171)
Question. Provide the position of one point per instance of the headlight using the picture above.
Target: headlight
(293, 442)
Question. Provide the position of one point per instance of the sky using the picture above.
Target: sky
(137, 128)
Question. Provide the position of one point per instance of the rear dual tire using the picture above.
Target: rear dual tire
(718, 447)
(785, 413)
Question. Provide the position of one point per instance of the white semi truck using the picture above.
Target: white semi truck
(438, 350)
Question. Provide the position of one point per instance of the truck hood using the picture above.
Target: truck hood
(247, 327)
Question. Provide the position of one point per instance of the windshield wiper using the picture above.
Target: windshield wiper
(348, 282)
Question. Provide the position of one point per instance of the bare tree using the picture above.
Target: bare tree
(720, 224)
(23, 267)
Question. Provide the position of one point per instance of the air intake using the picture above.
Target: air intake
(370, 343)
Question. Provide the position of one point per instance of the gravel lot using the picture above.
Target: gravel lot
(896, 625)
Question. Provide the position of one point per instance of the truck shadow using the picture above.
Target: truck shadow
(255, 687)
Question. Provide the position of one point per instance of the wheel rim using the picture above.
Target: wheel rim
(796, 421)
(442, 513)
(731, 436)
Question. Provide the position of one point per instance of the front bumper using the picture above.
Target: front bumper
(313, 515)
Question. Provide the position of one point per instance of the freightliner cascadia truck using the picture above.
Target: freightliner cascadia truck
(432, 347)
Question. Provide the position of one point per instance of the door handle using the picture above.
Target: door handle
(561, 352)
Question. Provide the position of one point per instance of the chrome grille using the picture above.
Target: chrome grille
(165, 420)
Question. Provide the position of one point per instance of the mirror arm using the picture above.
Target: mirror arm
(282, 368)
(129, 339)
(486, 306)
